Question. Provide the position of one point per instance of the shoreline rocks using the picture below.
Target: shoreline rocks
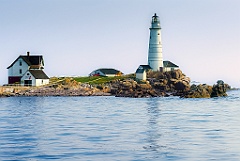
(158, 84)
(131, 88)
(207, 91)
(51, 91)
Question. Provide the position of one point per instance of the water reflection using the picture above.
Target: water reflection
(153, 132)
(161, 135)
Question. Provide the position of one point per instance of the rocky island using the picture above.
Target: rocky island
(158, 84)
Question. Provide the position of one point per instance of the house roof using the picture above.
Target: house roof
(146, 67)
(30, 60)
(140, 70)
(169, 64)
(109, 71)
(38, 74)
(143, 68)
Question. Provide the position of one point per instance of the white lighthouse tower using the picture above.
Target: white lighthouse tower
(155, 58)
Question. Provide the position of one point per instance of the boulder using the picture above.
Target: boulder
(219, 89)
(200, 91)
(176, 74)
(171, 81)
(131, 88)
(159, 86)
(207, 91)
(182, 86)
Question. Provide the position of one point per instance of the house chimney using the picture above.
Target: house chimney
(28, 53)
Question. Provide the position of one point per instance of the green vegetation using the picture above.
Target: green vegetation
(86, 79)
(93, 80)
(100, 79)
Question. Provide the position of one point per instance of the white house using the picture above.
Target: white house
(34, 78)
(23, 64)
(141, 72)
(108, 72)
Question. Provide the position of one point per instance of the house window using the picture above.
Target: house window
(20, 71)
(20, 63)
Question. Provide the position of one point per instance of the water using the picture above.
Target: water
(110, 128)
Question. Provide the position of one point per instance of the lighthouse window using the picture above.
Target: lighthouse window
(158, 34)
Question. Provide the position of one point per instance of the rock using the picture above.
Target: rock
(113, 91)
(207, 91)
(160, 86)
(131, 88)
(200, 91)
(219, 89)
(106, 89)
(143, 86)
(176, 74)
(172, 81)
(181, 86)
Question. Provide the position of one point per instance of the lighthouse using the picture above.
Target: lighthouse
(155, 58)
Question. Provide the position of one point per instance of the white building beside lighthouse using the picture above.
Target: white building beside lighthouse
(155, 58)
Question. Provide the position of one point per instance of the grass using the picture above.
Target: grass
(99, 79)
(86, 79)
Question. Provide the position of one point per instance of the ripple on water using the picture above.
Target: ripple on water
(109, 128)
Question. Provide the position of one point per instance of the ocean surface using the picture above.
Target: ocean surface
(110, 128)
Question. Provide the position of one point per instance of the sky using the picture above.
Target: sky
(76, 37)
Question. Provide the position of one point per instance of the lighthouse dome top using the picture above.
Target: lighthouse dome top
(155, 21)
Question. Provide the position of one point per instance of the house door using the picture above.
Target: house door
(27, 82)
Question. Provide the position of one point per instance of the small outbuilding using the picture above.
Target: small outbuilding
(34, 78)
(141, 72)
(169, 66)
(108, 72)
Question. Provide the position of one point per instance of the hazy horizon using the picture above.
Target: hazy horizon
(76, 37)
